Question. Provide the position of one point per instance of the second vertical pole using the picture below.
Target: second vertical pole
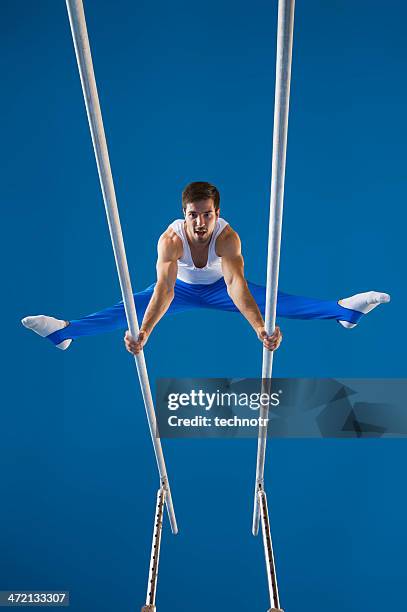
(281, 105)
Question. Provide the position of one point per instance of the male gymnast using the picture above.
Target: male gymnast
(200, 265)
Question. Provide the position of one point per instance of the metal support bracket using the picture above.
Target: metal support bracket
(268, 553)
(155, 552)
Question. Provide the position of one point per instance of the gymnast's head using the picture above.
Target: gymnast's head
(200, 204)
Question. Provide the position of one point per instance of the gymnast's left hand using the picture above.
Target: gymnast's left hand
(271, 343)
(135, 346)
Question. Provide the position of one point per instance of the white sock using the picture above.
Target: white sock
(44, 326)
(363, 302)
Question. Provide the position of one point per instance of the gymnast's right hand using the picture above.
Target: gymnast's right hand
(135, 346)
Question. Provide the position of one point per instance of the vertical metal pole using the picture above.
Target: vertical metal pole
(155, 553)
(281, 106)
(87, 75)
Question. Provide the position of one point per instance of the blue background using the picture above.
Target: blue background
(187, 93)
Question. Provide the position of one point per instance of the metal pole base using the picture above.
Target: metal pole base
(155, 552)
(268, 551)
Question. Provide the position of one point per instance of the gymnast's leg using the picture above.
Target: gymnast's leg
(61, 333)
(348, 311)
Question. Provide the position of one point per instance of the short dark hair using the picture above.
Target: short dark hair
(200, 191)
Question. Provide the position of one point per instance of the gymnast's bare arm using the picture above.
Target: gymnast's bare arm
(169, 251)
(228, 247)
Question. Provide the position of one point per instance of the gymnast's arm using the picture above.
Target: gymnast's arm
(169, 250)
(228, 247)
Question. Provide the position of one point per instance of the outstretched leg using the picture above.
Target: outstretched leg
(299, 307)
(61, 333)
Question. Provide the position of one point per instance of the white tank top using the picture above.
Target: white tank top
(187, 271)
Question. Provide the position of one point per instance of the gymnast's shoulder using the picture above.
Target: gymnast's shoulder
(228, 242)
(170, 244)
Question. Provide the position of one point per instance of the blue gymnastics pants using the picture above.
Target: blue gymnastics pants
(214, 296)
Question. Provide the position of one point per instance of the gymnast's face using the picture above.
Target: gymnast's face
(200, 219)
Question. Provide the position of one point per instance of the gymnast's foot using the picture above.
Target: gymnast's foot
(363, 302)
(44, 326)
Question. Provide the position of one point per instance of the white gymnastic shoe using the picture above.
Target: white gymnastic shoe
(363, 302)
(44, 326)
